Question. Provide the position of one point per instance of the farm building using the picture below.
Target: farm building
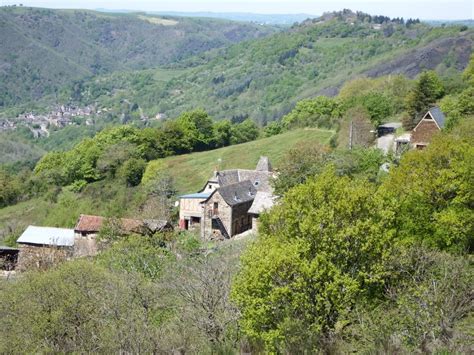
(44, 246)
(431, 123)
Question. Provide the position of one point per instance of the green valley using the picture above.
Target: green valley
(43, 50)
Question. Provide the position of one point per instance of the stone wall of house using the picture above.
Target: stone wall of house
(255, 223)
(424, 132)
(241, 220)
(225, 215)
(42, 257)
(85, 245)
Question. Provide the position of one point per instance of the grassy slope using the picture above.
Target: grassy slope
(191, 171)
(111, 198)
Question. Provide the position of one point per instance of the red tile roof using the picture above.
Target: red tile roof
(87, 223)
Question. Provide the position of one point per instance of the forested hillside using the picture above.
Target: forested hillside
(43, 49)
(262, 79)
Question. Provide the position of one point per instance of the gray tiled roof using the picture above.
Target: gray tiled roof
(228, 177)
(263, 201)
(264, 164)
(240, 192)
(438, 116)
(260, 179)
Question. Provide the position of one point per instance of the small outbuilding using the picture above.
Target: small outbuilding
(431, 123)
(44, 246)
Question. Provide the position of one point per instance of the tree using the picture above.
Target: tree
(197, 128)
(222, 133)
(319, 250)
(356, 129)
(202, 285)
(132, 171)
(428, 89)
(318, 112)
(426, 302)
(114, 156)
(273, 128)
(378, 106)
(299, 164)
(244, 132)
(51, 167)
(434, 190)
(10, 188)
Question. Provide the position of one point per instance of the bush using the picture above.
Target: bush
(78, 307)
(132, 171)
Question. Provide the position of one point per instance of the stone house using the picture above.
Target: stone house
(431, 123)
(41, 247)
(220, 209)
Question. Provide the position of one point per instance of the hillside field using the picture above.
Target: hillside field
(191, 171)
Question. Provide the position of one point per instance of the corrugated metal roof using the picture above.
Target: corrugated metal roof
(47, 236)
(196, 195)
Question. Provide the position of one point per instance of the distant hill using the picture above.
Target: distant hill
(42, 50)
(268, 19)
(467, 22)
(263, 78)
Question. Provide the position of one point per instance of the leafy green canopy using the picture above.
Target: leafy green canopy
(428, 89)
(122, 151)
(321, 249)
(434, 189)
(78, 307)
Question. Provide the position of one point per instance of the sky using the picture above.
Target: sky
(423, 9)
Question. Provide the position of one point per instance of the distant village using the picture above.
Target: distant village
(59, 117)
(62, 116)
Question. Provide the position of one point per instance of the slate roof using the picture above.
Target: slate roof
(238, 193)
(260, 179)
(47, 236)
(437, 115)
(263, 201)
(264, 164)
(157, 225)
(228, 177)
